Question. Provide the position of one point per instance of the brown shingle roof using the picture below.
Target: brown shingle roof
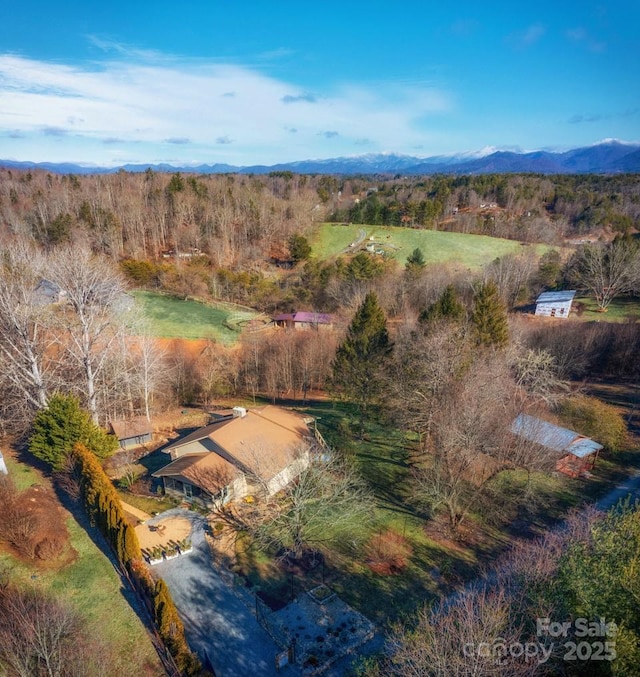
(132, 427)
(263, 442)
(208, 471)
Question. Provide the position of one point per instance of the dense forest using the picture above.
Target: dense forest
(238, 220)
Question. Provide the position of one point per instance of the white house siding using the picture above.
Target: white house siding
(280, 481)
(3, 466)
(239, 488)
(553, 309)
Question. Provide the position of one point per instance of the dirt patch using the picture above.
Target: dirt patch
(170, 529)
(187, 347)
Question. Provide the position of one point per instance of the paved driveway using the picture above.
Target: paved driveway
(216, 622)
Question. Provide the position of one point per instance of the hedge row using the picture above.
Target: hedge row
(165, 615)
(103, 506)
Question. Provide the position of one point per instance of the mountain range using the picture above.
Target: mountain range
(608, 157)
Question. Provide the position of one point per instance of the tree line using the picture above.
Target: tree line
(238, 220)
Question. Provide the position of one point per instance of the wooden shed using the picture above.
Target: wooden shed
(133, 432)
(304, 320)
(555, 303)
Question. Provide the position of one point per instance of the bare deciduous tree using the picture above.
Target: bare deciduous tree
(94, 292)
(462, 636)
(327, 503)
(536, 373)
(606, 270)
(42, 636)
(469, 441)
(25, 325)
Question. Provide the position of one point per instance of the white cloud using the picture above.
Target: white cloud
(527, 37)
(149, 105)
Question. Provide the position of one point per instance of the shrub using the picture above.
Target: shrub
(388, 552)
(102, 504)
(594, 418)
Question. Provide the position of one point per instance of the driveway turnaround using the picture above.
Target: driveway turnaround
(218, 625)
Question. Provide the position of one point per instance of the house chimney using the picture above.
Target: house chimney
(239, 412)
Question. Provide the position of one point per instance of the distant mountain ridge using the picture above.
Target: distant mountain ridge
(609, 157)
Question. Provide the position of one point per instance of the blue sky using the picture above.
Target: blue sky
(265, 82)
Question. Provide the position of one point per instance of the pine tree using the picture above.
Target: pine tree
(447, 307)
(415, 262)
(299, 247)
(360, 357)
(60, 426)
(490, 316)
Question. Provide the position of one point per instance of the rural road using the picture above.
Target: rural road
(629, 488)
(356, 243)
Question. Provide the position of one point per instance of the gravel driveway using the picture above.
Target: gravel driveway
(217, 623)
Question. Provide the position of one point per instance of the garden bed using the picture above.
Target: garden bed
(322, 628)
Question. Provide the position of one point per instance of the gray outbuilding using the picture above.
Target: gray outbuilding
(555, 303)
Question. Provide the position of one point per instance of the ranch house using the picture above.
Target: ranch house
(242, 453)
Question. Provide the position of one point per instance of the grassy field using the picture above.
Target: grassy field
(92, 585)
(171, 317)
(468, 251)
(516, 506)
(622, 309)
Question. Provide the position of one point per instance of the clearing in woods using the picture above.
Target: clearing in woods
(171, 317)
(468, 251)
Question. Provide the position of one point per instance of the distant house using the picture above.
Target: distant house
(47, 292)
(304, 320)
(577, 454)
(259, 450)
(133, 432)
(3, 466)
(554, 303)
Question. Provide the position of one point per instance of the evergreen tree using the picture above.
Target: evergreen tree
(60, 426)
(299, 247)
(360, 357)
(415, 262)
(490, 316)
(363, 266)
(447, 307)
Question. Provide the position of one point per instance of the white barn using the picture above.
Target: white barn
(554, 303)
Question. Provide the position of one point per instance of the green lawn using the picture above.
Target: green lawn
(92, 585)
(509, 511)
(468, 251)
(148, 504)
(170, 317)
(621, 309)
(383, 458)
(23, 475)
